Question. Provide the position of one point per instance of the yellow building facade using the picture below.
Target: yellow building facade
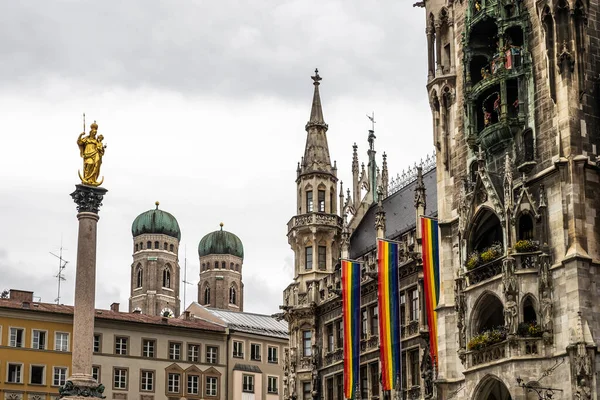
(35, 348)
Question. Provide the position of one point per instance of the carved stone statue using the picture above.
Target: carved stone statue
(509, 279)
(583, 390)
(427, 373)
(91, 149)
(510, 315)
(293, 385)
(546, 313)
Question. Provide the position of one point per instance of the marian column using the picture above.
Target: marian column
(88, 197)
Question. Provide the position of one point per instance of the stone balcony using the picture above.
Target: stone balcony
(315, 218)
(515, 349)
(333, 356)
(523, 261)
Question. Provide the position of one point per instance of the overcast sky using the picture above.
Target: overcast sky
(203, 106)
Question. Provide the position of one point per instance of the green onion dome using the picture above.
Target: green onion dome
(221, 242)
(156, 221)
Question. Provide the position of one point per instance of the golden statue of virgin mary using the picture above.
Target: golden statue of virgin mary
(91, 149)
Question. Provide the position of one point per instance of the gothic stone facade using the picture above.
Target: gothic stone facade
(513, 87)
(319, 237)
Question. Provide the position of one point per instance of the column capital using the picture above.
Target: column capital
(88, 198)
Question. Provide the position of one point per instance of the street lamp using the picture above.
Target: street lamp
(544, 393)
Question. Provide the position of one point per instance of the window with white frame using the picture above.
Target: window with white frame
(61, 341)
(248, 383)
(272, 385)
(59, 377)
(96, 373)
(38, 339)
(211, 354)
(37, 373)
(97, 343)
(238, 349)
(211, 386)
(148, 346)
(121, 343)
(174, 351)
(272, 356)
(120, 378)
(255, 352)
(173, 382)
(17, 335)
(193, 384)
(193, 352)
(14, 373)
(147, 381)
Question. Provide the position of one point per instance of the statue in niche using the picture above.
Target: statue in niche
(485, 73)
(583, 390)
(511, 313)
(427, 373)
(509, 279)
(546, 312)
(477, 6)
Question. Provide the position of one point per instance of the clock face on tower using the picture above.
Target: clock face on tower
(166, 312)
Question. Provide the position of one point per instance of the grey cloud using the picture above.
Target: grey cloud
(244, 48)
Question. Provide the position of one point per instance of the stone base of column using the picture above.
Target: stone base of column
(81, 386)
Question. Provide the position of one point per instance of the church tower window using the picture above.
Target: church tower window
(207, 296)
(223, 265)
(149, 245)
(309, 201)
(166, 278)
(171, 248)
(308, 258)
(156, 245)
(321, 200)
(232, 295)
(140, 277)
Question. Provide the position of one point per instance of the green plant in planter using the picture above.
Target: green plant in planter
(473, 261)
(487, 338)
(525, 246)
(491, 253)
(529, 329)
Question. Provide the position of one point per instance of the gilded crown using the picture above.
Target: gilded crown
(94, 126)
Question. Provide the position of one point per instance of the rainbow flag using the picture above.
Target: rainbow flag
(431, 278)
(389, 313)
(351, 320)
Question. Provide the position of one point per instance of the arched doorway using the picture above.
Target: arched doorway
(491, 388)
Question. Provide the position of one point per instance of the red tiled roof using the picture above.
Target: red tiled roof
(114, 315)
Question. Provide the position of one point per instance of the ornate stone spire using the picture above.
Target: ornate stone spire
(355, 179)
(380, 217)
(316, 153)
(385, 180)
(372, 165)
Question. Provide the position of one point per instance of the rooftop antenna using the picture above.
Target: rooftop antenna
(185, 281)
(62, 264)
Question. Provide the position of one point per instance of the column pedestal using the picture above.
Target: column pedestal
(81, 384)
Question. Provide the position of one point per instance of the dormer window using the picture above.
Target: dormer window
(309, 201)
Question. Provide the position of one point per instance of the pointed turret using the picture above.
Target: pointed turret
(316, 153)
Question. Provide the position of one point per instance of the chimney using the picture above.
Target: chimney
(21, 296)
(114, 307)
(187, 315)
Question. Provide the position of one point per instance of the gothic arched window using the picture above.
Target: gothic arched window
(149, 245)
(528, 144)
(166, 278)
(231, 266)
(525, 227)
(171, 249)
(216, 265)
(139, 277)
(529, 314)
(207, 296)
(232, 295)
(223, 265)
(156, 245)
(165, 246)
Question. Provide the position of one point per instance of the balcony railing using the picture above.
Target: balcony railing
(334, 356)
(314, 218)
(519, 347)
(412, 328)
(484, 272)
(414, 393)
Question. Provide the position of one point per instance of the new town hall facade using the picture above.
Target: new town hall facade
(514, 88)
